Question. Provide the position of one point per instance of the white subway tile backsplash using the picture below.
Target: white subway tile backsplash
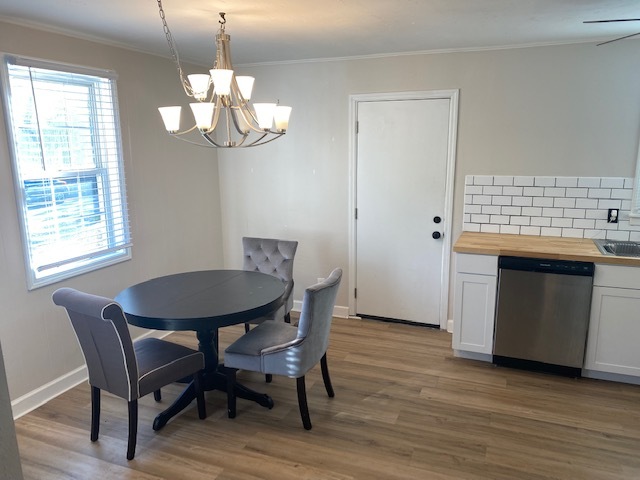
(533, 191)
(473, 190)
(563, 202)
(567, 182)
(502, 180)
(522, 201)
(541, 221)
(621, 193)
(517, 191)
(544, 181)
(501, 200)
(511, 229)
(554, 191)
(488, 228)
(577, 192)
(572, 232)
(532, 211)
(562, 222)
(634, 236)
(612, 182)
(607, 204)
(492, 209)
(586, 203)
(599, 193)
(574, 212)
(617, 235)
(523, 181)
(551, 232)
(551, 206)
(482, 180)
(530, 231)
(542, 202)
(499, 219)
(590, 182)
(511, 210)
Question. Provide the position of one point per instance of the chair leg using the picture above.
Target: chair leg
(268, 377)
(157, 395)
(325, 375)
(133, 429)
(287, 318)
(302, 403)
(247, 327)
(95, 413)
(202, 407)
(231, 392)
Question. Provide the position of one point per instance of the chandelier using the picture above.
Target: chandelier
(223, 114)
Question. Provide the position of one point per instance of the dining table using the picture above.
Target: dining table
(203, 301)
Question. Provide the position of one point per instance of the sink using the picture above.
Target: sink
(618, 248)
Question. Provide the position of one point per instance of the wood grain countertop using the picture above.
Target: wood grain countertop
(576, 249)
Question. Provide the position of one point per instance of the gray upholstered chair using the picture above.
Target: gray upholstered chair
(280, 348)
(274, 257)
(119, 366)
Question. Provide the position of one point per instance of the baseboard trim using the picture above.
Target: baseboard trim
(41, 395)
(338, 311)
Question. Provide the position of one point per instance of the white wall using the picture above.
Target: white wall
(173, 204)
(570, 110)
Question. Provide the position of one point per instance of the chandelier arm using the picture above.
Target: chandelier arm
(183, 132)
(207, 137)
(203, 145)
(256, 144)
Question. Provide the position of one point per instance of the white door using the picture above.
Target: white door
(403, 155)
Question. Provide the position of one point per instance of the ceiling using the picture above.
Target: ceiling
(293, 30)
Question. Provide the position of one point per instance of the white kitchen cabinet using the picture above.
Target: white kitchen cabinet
(474, 303)
(614, 327)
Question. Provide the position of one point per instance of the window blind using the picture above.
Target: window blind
(68, 167)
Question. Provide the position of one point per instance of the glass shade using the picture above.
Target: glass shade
(281, 117)
(245, 85)
(199, 84)
(221, 80)
(264, 113)
(171, 118)
(203, 113)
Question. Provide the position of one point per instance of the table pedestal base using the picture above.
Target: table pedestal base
(213, 378)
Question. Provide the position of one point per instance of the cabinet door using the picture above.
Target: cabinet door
(614, 330)
(473, 312)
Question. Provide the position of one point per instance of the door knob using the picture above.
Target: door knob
(436, 235)
(436, 219)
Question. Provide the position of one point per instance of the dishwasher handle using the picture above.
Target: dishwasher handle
(545, 265)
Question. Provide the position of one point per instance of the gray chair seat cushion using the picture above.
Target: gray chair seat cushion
(159, 360)
(246, 352)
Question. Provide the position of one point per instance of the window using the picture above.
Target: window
(67, 161)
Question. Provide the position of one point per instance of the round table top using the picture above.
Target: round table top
(203, 300)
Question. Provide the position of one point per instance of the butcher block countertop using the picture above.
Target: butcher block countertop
(576, 249)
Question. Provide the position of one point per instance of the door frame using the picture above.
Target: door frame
(354, 100)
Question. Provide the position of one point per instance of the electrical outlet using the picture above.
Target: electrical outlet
(612, 216)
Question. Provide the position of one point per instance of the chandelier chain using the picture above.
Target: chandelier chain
(172, 48)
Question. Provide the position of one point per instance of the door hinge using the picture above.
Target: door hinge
(355, 293)
(356, 213)
(357, 127)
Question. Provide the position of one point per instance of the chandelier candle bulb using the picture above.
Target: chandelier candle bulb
(199, 85)
(225, 118)
(245, 85)
(281, 117)
(171, 118)
(221, 80)
(203, 113)
(264, 112)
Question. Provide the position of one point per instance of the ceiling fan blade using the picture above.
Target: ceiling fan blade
(619, 38)
(619, 20)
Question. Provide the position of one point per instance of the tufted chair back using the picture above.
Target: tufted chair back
(273, 257)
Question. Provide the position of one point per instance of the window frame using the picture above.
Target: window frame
(112, 196)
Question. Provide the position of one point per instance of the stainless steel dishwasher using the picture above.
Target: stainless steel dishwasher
(542, 314)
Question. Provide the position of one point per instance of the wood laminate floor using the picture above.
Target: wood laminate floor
(405, 408)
